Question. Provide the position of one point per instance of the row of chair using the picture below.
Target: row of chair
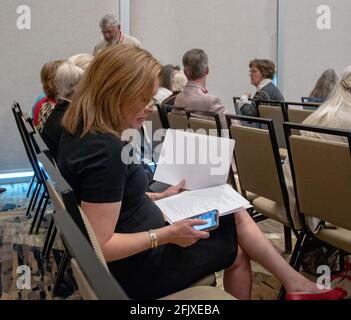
(262, 181)
(187, 119)
(321, 177)
(279, 112)
(261, 178)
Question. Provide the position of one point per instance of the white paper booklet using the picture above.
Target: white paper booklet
(189, 203)
(202, 160)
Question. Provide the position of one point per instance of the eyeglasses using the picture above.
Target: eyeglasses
(151, 104)
(253, 71)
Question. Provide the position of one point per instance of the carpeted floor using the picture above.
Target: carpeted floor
(18, 248)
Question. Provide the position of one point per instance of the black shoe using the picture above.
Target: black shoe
(2, 190)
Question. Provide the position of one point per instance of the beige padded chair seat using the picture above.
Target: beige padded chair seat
(339, 237)
(269, 209)
(251, 196)
(200, 293)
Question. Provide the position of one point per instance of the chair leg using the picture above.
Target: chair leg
(37, 213)
(36, 196)
(295, 260)
(61, 272)
(48, 237)
(32, 199)
(42, 213)
(51, 243)
(30, 186)
(287, 239)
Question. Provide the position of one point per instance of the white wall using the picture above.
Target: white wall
(59, 29)
(306, 50)
(231, 32)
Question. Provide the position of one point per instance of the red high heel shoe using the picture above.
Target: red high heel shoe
(334, 294)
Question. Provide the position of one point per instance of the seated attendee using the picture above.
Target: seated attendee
(324, 86)
(261, 75)
(194, 95)
(149, 258)
(67, 78)
(81, 60)
(334, 113)
(41, 96)
(113, 34)
(47, 77)
(164, 91)
(179, 81)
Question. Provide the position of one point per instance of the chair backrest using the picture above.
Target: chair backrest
(307, 106)
(17, 113)
(153, 140)
(64, 190)
(166, 107)
(156, 121)
(26, 131)
(205, 126)
(236, 105)
(258, 162)
(85, 289)
(277, 113)
(93, 279)
(40, 145)
(178, 120)
(298, 115)
(169, 101)
(312, 100)
(92, 237)
(321, 171)
(57, 187)
(255, 160)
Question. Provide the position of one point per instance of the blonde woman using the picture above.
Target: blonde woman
(334, 113)
(149, 258)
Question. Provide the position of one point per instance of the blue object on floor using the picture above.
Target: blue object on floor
(7, 207)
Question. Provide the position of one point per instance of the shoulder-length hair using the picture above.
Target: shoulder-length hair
(47, 77)
(336, 111)
(325, 84)
(266, 67)
(116, 80)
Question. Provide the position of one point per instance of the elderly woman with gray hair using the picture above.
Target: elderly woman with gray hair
(67, 78)
(81, 60)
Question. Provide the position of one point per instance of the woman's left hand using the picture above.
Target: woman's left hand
(171, 191)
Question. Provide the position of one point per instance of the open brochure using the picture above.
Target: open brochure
(189, 203)
(202, 160)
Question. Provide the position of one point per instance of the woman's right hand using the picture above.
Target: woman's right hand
(183, 234)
